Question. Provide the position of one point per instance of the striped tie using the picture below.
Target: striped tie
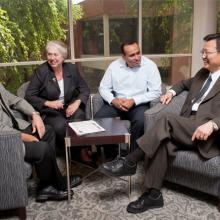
(203, 90)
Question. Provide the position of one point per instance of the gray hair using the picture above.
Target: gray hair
(59, 45)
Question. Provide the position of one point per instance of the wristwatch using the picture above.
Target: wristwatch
(214, 126)
(35, 113)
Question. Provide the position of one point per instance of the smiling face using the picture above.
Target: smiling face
(210, 56)
(132, 55)
(54, 57)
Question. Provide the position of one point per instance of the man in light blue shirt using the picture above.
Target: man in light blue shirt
(128, 86)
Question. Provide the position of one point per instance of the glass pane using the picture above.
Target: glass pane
(173, 69)
(92, 37)
(218, 16)
(167, 26)
(119, 33)
(26, 26)
(93, 73)
(104, 26)
(123, 24)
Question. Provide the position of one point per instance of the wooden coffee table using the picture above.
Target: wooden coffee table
(115, 132)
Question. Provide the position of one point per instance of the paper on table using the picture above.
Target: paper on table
(86, 127)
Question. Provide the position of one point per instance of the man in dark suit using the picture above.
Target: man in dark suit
(195, 128)
(39, 146)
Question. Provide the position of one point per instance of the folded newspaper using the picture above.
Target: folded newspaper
(86, 127)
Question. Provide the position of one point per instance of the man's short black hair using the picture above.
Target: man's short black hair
(216, 37)
(125, 44)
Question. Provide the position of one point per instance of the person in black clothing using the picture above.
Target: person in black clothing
(39, 143)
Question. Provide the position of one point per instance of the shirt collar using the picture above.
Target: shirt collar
(123, 63)
(215, 75)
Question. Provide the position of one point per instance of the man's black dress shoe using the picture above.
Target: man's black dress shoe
(145, 202)
(75, 180)
(50, 193)
(118, 167)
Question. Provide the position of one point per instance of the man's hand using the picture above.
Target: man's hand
(203, 132)
(28, 137)
(54, 104)
(165, 99)
(127, 103)
(118, 103)
(38, 125)
(71, 109)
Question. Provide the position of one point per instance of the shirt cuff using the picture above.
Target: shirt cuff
(214, 126)
(172, 91)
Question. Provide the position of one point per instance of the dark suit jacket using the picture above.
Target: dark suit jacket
(209, 109)
(43, 86)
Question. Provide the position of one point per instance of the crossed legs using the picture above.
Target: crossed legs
(156, 145)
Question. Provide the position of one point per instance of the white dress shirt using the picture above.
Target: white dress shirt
(61, 85)
(214, 76)
(142, 83)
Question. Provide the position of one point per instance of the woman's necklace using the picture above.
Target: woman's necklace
(59, 74)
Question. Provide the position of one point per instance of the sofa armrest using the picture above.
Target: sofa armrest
(13, 188)
(155, 113)
(157, 100)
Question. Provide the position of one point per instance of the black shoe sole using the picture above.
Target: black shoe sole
(44, 198)
(108, 173)
(136, 211)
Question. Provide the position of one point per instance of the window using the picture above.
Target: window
(94, 34)
(167, 30)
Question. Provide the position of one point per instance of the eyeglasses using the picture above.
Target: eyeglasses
(207, 52)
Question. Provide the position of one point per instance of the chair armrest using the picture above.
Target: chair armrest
(154, 102)
(22, 89)
(155, 113)
(13, 188)
(97, 103)
(157, 100)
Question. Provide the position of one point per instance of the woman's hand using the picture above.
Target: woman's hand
(71, 109)
(54, 104)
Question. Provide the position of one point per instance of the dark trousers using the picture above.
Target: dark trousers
(158, 145)
(59, 121)
(42, 155)
(135, 115)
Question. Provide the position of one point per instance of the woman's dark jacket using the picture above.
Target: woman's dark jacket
(44, 87)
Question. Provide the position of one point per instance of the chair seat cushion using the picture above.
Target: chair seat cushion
(192, 161)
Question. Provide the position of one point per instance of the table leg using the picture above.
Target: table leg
(67, 149)
(129, 178)
(119, 149)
